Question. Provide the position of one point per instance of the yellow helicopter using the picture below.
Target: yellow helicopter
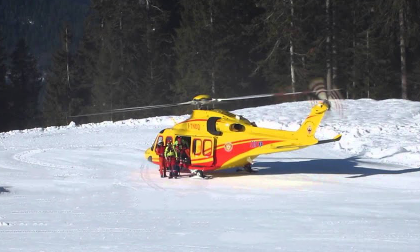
(218, 139)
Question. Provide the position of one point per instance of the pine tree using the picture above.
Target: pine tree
(4, 91)
(130, 65)
(356, 60)
(213, 47)
(26, 83)
(112, 60)
(233, 47)
(59, 82)
(156, 73)
(291, 52)
(193, 50)
(398, 21)
(39, 23)
(84, 72)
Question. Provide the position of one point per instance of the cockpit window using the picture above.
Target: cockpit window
(157, 140)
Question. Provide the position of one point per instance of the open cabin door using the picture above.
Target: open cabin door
(202, 151)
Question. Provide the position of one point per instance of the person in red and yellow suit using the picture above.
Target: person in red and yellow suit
(160, 151)
(182, 150)
(171, 155)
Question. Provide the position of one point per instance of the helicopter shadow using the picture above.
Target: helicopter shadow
(352, 166)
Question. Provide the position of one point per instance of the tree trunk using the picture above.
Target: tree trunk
(292, 62)
(213, 82)
(67, 55)
(328, 49)
(121, 42)
(354, 77)
(367, 63)
(334, 50)
(66, 41)
(403, 53)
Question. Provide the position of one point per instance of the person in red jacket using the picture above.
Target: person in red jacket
(160, 151)
(182, 150)
(171, 156)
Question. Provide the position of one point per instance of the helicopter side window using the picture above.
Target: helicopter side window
(236, 127)
(197, 147)
(207, 148)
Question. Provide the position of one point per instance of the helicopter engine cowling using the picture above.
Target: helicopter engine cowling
(230, 126)
(237, 127)
(216, 128)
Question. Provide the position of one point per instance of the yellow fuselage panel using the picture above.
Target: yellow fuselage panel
(239, 141)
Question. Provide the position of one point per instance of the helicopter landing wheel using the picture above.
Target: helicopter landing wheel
(248, 168)
(199, 173)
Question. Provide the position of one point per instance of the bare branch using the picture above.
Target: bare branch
(154, 6)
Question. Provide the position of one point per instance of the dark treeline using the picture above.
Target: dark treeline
(39, 22)
(146, 52)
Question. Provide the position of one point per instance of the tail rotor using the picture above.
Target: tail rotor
(332, 97)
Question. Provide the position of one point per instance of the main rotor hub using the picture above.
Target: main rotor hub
(201, 100)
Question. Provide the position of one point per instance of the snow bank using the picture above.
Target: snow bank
(388, 130)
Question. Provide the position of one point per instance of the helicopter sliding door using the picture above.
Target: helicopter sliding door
(202, 152)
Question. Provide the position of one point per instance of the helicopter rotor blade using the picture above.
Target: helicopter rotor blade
(151, 107)
(265, 95)
(122, 110)
(205, 101)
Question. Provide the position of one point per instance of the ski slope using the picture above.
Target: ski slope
(89, 188)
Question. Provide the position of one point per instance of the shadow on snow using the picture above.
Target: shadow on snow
(349, 166)
(3, 189)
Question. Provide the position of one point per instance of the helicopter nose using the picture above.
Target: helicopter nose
(148, 155)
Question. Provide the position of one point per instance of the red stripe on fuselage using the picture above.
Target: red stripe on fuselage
(222, 156)
(199, 159)
(238, 142)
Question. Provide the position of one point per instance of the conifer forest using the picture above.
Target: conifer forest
(64, 58)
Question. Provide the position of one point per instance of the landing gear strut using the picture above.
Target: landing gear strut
(248, 168)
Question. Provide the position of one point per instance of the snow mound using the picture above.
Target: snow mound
(387, 130)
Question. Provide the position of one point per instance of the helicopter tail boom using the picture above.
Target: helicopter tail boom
(311, 123)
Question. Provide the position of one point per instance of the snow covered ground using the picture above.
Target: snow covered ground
(89, 188)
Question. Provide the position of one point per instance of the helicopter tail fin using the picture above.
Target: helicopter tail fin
(313, 120)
